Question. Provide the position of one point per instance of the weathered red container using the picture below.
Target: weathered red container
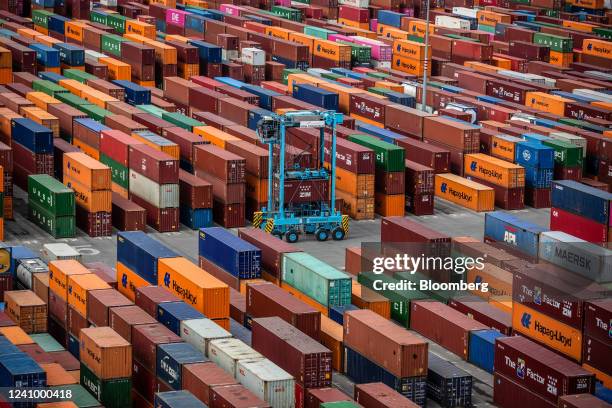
(234, 110)
(452, 133)
(351, 156)
(420, 204)
(234, 396)
(302, 191)
(537, 197)
(211, 119)
(507, 90)
(529, 51)
(272, 248)
(144, 382)
(128, 216)
(229, 215)
(390, 346)
(596, 353)
(146, 338)
(152, 123)
(379, 395)
(194, 191)
(123, 124)
(400, 229)
(509, 394)
(98, 224)
(482, 311)
(185, 140)
(368, 107)
(226, 166)
(153, 164)
(256, 158)
(506, 198)
(204, 99)
(75, 322)
(581, 227)
(543, 371)
(201, 378)
(36, 352)
(149, 297)
(596, 312)
(267, 300)
(124, 319)
(390, 182)
(581, 401)
(419, 178)
(426, 154)
(316, 396)
(292, 350)
(237, 306)
(233, 193)
(161, 219)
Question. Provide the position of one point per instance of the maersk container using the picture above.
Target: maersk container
(71, 54)
(171, 314)
(481, 348)
(236, 256)
(388, 156)
(336, 313)
(51, 194)
(170, 360)
(19, 370)
(268, 381)
(31, 135)
(227, 352)
(584, 258)
(522, 235)
(177, 399)
(586, 201)
(27, 268)
(316, 279)
(537, 177)
(134, 93)
(316, 96)
(140, 253)
(45, 55)
(265, 95)
(535, 155)
(196, 218)
(361, 370)
(112, 392)
(158, 195)
(208, 53)
(200, 332)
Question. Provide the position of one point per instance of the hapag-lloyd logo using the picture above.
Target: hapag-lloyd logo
(362, 107)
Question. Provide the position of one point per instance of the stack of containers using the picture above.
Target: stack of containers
(253, 65)
(196, 200)
(86, 136)
(596, 344)
(378, 350)
(27, 310)
(6, 161)
(568, 157)
(390, 177)
(141, 57)
(420, 182)
(518, 236)
(154, 185)
(539, 163)
(353, 16)
(91, 182)
(409, 57)
(228, 258)
(581, 211)
(51, 205)
(32, 150)
(114, 146)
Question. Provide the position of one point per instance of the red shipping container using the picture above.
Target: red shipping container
(368, 107)
(162, 220)
(128, 216)
(204, 99)
(124, 319)
(452, 133)
(146, 338)
(234, 396)
(578, 226)
(316, 396)
(509, 394)
(229, 215)
(149, 297)
(144, 381)
(185, 140)
(420, 204)
(390, 182)
(482, 311)
(153, 123)
(256, 158)
(597, 354)
(360, 15)
(272, 248)
(302, 191)
(194, 191)
(379, 395)
(201, 378)
(153, 164)
(351, 156)
(537, 197)
(596, 315)
(400, 229)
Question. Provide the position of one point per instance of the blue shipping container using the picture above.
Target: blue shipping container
(535, 137)
(134, 93)
(195, 22)
(71, 54)
(481, 349)
(20, 370)
(73, 346)
(316, 96)
(51, 76)
(582, 200)
(384, 134)
(538, 177)
(402, 99)
(207, 52)
(171, 314)
(45, 55)
(56, 23)
(32, 136)
(265, 95)
(170, 360)
(196, 218)
(6, 347)
(18, 253)
(522, 235)
(231, 253)
(177, 399)
(231, 82)
(603, 393)
(91, 124)
(362, 371)
(255, 115)
(535, 155)
(139, 252)
(390, 18)
(336, 313)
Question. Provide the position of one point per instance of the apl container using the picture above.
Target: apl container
(233, 254)
(520, 235)
(482, 348)
(171, 358)
(172, 314)
(268, 381)
(140, 253)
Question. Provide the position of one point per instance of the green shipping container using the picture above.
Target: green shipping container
(486, 28)
(566, 154)
(72, 100)
(58, 227)
(331, 76)
(98, 17)
(152, 109)
(316, 279)
(399, 299)
(119, 173)
(287, 72)
(378, 75)
(416, 38)
(48, 87)
(117, 21)
(51, 194)
(555, 42)
(112, 393)
(78, 75)
(288, 13)
(111, 43)
(95, 112)
(181, 120)
(41, 18)
(378, 90)
(388, 156)
(78, 395)
(604, 32)
(46, 342)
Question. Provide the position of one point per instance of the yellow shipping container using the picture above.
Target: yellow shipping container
(599, 48)
(78, 286)
(409, 65)
(41, 99)
(418, 28)
(410, 49)
(59, 271)
(548, 331)
(392, 32)
(194, 286)
(304, 39)
(546, 102)
(214, 135)
(464, 192)
(128, 281)
(494, 170)
(562, 59)
(344, 94)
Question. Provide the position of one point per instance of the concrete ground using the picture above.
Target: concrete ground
(449, 218)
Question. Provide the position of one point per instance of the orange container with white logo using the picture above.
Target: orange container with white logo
(599, 48)
(546, 102)
(409, 65)
(548, 331)
(194, 286)
(140, 28)
(117, 69)
(74, 31)
(498, 280)
(92, 201)
(494, 170)
(503, 148)
(491, 18)
(59, 271)
(410, 49)
(87, 171)
(128, 281)
(277, 32)
(78, 286)
(213, 135)
(418, 27)
(464, 192)
(393, 33)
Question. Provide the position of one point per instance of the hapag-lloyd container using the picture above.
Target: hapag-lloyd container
(316, 279)
(140, 253)
(583, 200)
(107, 354)
(235, 255)
(540, 370)
(226, 353)
(464, 192)
(521, 235)
(272, 248)
(87, 171)
(171, 358)
(200, 332)
(268, 381)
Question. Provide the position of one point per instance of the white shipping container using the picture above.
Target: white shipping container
(268, 381)
(452, 22)
(199, 333)
(465, 12)
(227, 352)
(229, 54)
(600, 96)
(355, 3)
(27, 268)
(253, 56)
(55, 252)
(573, 139)
(94, 54)
(604, 76)
(159, 195)
(381, 64)
(317, 72)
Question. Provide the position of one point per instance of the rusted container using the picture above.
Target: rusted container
(390, 182)
(426, 154)
(316, 396)
(194, 191)
(234, 396)
(405, 120)
(452, 133)
(201, 378)
(256, 158)
(161, 219)
(379, 395)
(508, 393)
(146, 338)
(482, 311)
(124, 319)
(272, 249)
(384, 343)
(185, 140)
(108, 88)
(226, 166)
(237, 306)
(75, 322)
(225, 193)
(123, 123)
(400, 229)
(153, 164)
(301, 356)
(229, 215)
(149, 297)
(105, 353)
(127, 215)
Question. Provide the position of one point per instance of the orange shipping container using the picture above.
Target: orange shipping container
(390, 205)
(214, 135)
(41, 30)
(579, 25)
(600, 48)
(293, 79)
(418, 27)
(92, 201)
(481, 67)
(359, 185)
(410, 49)
(493, 170)
(491, 18)
(502, 303)
(332, 337)
(277, 32)
(75, 87)
(48, 41)
(28, 33)
(499, 281)
(171, 149)
(608, 106)
(176, 37)
(43, 118)
(562, 59)
(353, 24)
(41, 99)
(606, 379)
(464, 192)
(78, 286)
(74, 30)
(305, 298)
(87, 149)
(256, 188)
(98, 98)
(365, 298)
(389, 85)
(394, 33)
(357, 208)
(129, 281)
(87, 171)
(105, 353)
(59, 271)
(57, 375)
(548, 331)
(344, 94)
(6, 115)
(117, 69)
(140, 28)
(409, 65)
(16, 335)
(546, 102)
(195, 286)
(503, 148)
(331, 50)
(502, 63)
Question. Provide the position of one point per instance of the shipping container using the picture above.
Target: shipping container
(379, 395)
(201, 378)
(482, 348)
(226, 353)
(235, 255)
(172, 314)
(107, 354)
(268, 381)
(521, 236)
(123, 319)
(235, 396)
(140, 253)
(272, 249)
(171, 360)
(200, 332)
(176, 399)
(448, 384)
